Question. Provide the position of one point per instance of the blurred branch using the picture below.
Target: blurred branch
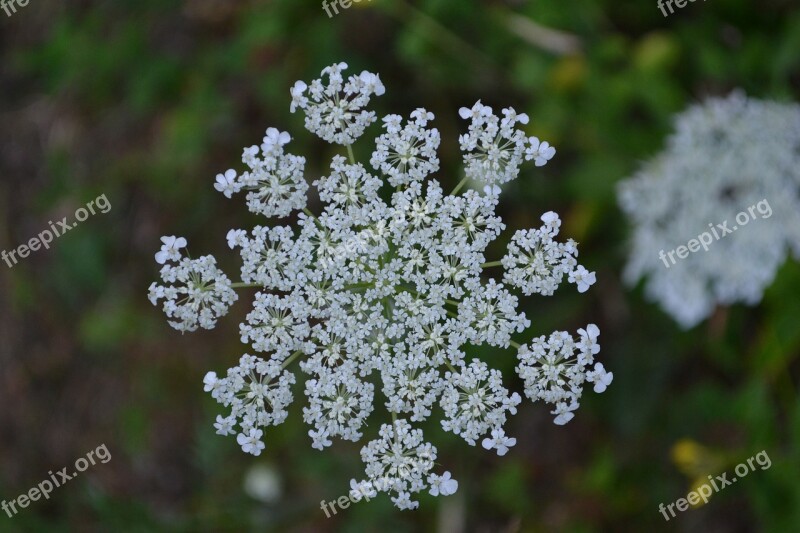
(438, 31)
(555, 41)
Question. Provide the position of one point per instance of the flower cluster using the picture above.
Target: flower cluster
(725, 154)
(386, 289)
(536, 263)
(494, 148)
(554, 374)
(198, 292)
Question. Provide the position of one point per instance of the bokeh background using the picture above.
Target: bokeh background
(146, 101)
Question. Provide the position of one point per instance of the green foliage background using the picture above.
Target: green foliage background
(146, 101)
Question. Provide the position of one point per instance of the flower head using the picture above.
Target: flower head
(335, 111)
(727, 158)
(494, 148)
(196, 294)
(377, 297)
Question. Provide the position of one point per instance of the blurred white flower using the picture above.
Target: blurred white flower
(725, 155)
(262, 482)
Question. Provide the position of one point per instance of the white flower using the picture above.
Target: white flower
(377, 297)
(727, 157)
(298, 95)
(372, 83)
(444, 484)
(210, 381)
(582, 278)
(319, 438)
(409, 153)
(539, 152)
(494, 149)
(361, 490)
(274, 141)
(399, 461)
(588, 346)
(275, 183)
(335, 112)
(475, 401)
(251, 442)
(564, 412)
(339, 403)
(553, 373)
(201, 294)
(600, 378)
(227, 184)
(170, 249)
(478, 113)
(257, 392)
(499, 442)
(236, 237)
(490, 315)
(225, 425)
(536, 262)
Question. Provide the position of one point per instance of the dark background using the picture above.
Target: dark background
(146, 101)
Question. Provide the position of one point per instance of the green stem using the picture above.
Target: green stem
(492, 264)
(313, 217)
(350, 153)
(291, 359)
(515, 344)
(358, 286)
(458, 187)
(243, 285)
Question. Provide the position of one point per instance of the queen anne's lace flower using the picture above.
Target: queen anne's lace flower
(409, 153)
(725, 155)
(475, 401)
(553, 373)
(379, 294)
(399, 461)
(336, 111)
(198, 293)
(494, 149)
(536, 263)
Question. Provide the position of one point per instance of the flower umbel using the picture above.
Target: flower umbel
(382, 291)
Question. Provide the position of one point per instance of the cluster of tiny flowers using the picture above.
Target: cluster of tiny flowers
(725, 155)
(406, 154)
(197, 291)
(383, 290)
(536, 263)
(553, 373)
(275, 182)
(494, 148)
(335, 112)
